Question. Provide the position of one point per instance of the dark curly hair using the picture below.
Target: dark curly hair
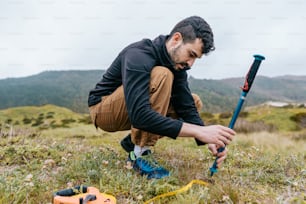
(195, 27)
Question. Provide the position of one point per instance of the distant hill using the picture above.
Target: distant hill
(70, 89)
(222, 95)
(63, 88)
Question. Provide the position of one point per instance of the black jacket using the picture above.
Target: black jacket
(132, 68)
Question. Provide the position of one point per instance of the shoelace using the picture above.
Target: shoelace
(149, 161)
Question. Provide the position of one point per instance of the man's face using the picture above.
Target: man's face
(184, 55)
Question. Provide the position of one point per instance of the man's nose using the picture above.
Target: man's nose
(190, 62)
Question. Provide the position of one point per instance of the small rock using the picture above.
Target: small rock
(105, 162)
(69, 184)
(31, 184)
(28, 178)
(128, 165)
(49, 162)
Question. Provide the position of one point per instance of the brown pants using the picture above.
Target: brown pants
(111, 113)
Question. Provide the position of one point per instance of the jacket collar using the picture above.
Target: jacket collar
(162, 53)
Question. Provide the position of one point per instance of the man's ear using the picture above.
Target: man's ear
(175, 41)
(177, 38)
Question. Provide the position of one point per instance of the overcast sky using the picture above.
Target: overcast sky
(40, 35)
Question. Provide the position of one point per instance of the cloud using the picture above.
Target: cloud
(79, 34)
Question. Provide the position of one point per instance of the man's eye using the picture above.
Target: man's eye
(192, 55)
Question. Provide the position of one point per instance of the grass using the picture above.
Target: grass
(259, 118)
(262, 167)
(280, 117)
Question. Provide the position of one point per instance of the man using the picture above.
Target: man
(145, 90)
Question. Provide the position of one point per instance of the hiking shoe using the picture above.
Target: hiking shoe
(146, 165)
(127, 144)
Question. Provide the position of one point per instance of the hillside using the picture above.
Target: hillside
(222, 95)
(63, 88)
(41, 117)
(70, 89)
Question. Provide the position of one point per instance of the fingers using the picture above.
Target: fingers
(213, 148)
(214, 134)
(221, 157)
(222, 140)
(223, 137)
(220, 161)
(226, 135)
(223, 153)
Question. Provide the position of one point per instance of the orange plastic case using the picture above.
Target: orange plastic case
(75, 199)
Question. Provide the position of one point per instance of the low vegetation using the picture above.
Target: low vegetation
(48, 148)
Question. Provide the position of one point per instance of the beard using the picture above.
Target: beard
(174, 54)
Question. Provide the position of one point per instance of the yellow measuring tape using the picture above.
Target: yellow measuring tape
(181, 190)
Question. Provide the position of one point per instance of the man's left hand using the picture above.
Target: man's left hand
(221, 155)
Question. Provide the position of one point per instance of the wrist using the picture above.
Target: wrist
(188, 130)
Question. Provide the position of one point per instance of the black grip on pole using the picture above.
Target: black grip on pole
(252, 73)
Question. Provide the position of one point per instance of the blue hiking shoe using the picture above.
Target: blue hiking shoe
(146, 165)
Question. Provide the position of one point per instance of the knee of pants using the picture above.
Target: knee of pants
(197, 101)
(160, 70)
(161, 78)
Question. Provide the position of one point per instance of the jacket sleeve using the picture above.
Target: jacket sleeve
(136, 70)
(183, 102)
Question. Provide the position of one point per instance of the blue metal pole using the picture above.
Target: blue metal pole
(214, 167)
(245, 89)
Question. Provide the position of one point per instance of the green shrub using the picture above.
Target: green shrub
(37, 122)
(300, 119)
(86, 120)
(50, 115)
(67, 121)
(205, 115)
(9, 121)
(243, 114)
(26, 121)
(225, 115)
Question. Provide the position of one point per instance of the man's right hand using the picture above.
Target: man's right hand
(212, 134)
